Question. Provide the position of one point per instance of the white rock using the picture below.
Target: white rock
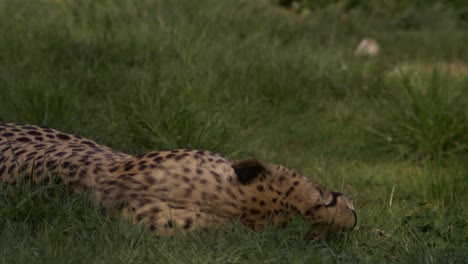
(367, 47)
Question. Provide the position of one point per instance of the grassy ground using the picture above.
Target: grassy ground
(244, 79)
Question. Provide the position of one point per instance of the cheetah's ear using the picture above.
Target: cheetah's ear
(248, 170)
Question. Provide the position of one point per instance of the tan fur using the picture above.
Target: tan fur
(176, 189)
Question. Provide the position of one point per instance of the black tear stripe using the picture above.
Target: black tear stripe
(335, 196)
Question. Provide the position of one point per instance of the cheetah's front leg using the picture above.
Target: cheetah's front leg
(164, 219)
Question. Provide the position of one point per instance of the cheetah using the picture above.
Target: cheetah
(173, 191)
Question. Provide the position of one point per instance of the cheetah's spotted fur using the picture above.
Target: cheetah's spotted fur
(177, 189)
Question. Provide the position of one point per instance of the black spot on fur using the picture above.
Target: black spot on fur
(254, 211)
(289, 191)
(128, 166)
(50, 150)
(23, 139)
(97, 169)
(113, 169)
(63, 136)
(38, 164)
(188, 192)
(31, 154)
(18, 153)
(311, 211)
(155, 210)
(186, 179)
(60, 154)
(50, 163)
(188, 223)
(152, 154)
(181, 156)
(34, 133)
(12, 167)
(89, 143)
(158, 159)
(216, 175)
(38, 146)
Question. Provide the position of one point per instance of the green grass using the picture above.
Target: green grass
(244, 79)
(429, 121)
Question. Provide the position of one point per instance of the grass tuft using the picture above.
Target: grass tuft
(429, 121)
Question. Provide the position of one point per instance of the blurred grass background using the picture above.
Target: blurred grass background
(275, 80)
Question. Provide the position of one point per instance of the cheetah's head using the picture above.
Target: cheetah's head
(284, 193)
